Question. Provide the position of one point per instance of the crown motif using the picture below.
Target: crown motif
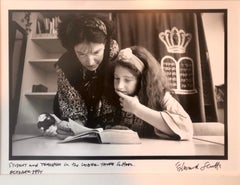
(176, 41)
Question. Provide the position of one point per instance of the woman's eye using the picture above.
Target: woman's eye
(96, 52)
(81, 54)
(127, 80)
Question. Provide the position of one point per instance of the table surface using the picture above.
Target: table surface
(27, 145)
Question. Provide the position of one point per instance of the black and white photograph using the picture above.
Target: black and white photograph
(134, 81)
(116, 90)
(117, 84)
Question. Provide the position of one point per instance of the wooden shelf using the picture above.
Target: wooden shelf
(44, 36)
(42, 95)
(44, 64)
(49, 42)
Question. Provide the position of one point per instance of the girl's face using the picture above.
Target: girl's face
(124, 80)
(90, 54)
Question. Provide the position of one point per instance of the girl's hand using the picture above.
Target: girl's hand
(128, 103)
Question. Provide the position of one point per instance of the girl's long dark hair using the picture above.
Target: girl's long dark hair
(153, 82)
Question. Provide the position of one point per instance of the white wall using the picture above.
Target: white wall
(214, 32)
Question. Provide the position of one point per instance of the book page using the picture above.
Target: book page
(114, 136)
(79, 129)
(91, 133)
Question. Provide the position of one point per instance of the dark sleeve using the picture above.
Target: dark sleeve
(56, 109)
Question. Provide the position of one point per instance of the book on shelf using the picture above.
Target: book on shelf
(48, 25)
(107, 136)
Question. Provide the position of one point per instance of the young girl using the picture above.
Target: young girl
(147, 104)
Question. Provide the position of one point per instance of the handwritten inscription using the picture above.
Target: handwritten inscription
(123, 164)
(25, 172)
(37, 168)
(24, 169)
(54, 164)
(182, 166)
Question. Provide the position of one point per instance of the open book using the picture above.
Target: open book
(108, 136)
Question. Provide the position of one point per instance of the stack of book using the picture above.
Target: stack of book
(48, 25)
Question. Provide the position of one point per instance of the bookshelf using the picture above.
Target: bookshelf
(41, 95)
(42, 52)
(44, 64)
(43, 41)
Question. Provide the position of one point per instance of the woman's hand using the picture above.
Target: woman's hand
(57, 120)
(51, 131)
(128, 103)
(47, 124)
(60, 128)
(70, 128)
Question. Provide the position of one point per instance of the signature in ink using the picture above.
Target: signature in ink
(182, 166)
(208, 165)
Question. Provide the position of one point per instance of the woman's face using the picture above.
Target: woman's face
(124, 80)
(90, 54)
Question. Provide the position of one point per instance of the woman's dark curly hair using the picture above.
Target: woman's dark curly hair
(76, 29)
